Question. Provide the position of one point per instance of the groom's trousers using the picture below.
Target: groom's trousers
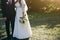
(7, 23)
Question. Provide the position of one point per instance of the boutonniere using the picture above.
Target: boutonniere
(6, 2)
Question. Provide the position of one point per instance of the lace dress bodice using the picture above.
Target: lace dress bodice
(17, 5)
(23, 5)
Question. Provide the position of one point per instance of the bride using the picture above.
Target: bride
(22, 28)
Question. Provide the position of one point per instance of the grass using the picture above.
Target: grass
(45, 34)
(44, 26)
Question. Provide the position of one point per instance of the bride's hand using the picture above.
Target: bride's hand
(21, 17)
(24, 15)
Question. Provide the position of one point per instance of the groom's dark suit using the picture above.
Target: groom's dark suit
(8, 11)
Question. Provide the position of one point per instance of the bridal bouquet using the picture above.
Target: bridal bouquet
(22, 20)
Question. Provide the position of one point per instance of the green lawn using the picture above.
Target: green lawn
(44, 26)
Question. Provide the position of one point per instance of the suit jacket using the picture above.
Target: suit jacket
(7, 9)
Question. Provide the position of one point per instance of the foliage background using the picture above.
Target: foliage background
(44, 17)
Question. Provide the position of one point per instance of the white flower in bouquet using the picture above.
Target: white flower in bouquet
(22, 20)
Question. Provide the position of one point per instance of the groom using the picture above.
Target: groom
(8, 11)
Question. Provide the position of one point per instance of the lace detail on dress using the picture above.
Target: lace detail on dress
(17, 4)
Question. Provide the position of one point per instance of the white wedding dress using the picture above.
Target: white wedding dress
(21, 31)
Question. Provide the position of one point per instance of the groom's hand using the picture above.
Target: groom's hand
(5, 18)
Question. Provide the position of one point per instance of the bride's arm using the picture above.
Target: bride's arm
(24, 7)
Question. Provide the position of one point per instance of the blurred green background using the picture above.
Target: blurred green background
(44, 17)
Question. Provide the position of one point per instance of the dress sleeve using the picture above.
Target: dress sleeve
(24, 6)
